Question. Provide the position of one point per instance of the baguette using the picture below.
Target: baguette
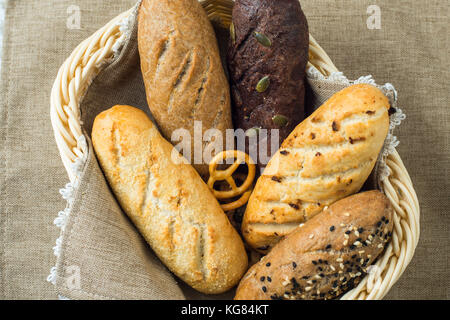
(326, 158)
(183, 75)
(169, 203)
(325, 257)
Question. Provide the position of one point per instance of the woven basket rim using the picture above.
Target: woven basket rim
(86, 61)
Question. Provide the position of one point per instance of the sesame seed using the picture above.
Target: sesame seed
(309, 282)
(311, 235)
(361, 230)
(308, 289)
(294, 265)
(347, 214)
(328, 247)
(314, 262)
(332, 228)
(380, 245)
(347, 232)
(264, 289)
(342, 225)
(339, 259)
(345, 242)
(346, 236)
(301, 225)
(332, 268)
(268, 264)
(262, 278)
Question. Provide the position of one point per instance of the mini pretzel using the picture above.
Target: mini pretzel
(244, 190)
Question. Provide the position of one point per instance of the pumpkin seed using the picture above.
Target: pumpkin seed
(263, 84)
(252, 132)
(232, 33)
(280, 120)
(262, 39)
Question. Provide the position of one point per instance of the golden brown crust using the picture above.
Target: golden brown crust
(169, 203)
(326, 158)
(181, 67)
(325, 257)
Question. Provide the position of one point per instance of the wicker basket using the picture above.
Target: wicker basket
(85, 62)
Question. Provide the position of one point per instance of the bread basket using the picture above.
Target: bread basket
(86, 61)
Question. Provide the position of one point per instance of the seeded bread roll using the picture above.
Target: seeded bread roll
(326, 158)
(182, 71)
(169, 203)
(267, 58)
(325, 257)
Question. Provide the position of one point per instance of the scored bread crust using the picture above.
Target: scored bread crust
(182, 71)
(326, 158)
(325, 257)
(169, 203)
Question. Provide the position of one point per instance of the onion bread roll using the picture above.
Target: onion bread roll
(169, 203)
(325, 257)
(326, 158)
(183, 74)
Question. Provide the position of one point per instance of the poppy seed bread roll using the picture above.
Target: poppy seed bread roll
(326, 157)
(327, 256)
(168, 202)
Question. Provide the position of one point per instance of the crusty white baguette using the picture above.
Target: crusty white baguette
(326, 158)
(182, 71)
(169, 203)
(325, 257)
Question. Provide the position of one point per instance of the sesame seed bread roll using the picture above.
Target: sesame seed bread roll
(169, 203)
(325, 257)
(183, 75)
(326, 158)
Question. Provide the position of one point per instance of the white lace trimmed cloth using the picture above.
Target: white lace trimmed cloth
(396, 118)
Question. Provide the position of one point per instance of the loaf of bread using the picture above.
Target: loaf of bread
(326, 158)
(267, 58)
(168, 202)
(325, 257)
(183, 74)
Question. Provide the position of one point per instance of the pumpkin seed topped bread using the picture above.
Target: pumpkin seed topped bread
(267, 58)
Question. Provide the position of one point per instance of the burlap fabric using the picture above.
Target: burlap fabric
(403, 52)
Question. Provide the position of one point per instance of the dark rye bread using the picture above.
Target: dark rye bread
(284, 61)
(325, 257)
